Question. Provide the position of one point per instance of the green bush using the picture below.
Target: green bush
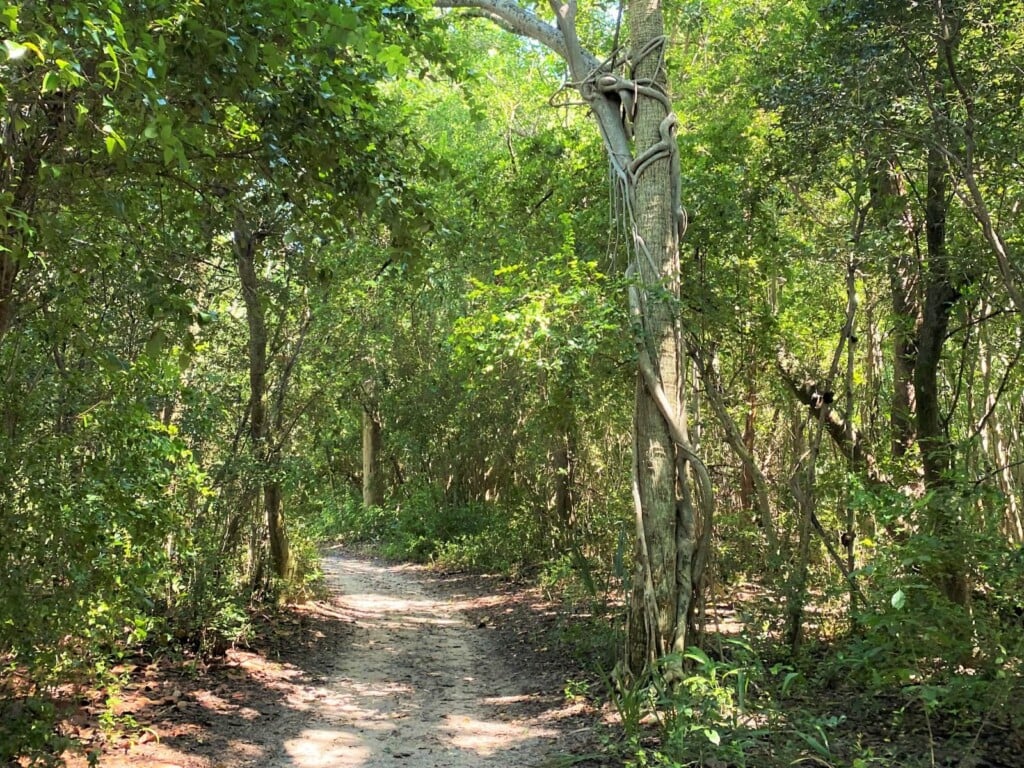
(423, 527)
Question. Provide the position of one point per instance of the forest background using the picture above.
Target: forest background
(274, 273)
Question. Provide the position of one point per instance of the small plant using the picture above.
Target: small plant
(113, 724)
(577, 690)
(633, 700)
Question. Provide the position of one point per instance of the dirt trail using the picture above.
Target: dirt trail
(398, 667)
(419, 684)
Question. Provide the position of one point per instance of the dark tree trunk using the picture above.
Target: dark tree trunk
(245, 244)
(937, 451)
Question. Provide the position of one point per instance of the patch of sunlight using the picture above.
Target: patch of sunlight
(377, 689)
(487, 738)
(326, 748)
(244, 749)
(373, 603)
(434, 620)
(371, 609)
(499, 700)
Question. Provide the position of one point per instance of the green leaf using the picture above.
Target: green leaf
(788, 681)
(899, 600)
(343, 18)
(14, 50)
(155, 343)
(394, 59)
(696, 654)
(818, 746)
(10, 14)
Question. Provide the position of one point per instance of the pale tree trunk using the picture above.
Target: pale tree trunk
(666, 532)
(373, 480)
(1016, 438)
(755, 484)
(628, 96)
(965, 161)
(994, 441)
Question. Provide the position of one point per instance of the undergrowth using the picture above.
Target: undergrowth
(423, 527)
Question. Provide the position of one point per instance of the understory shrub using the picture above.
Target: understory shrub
(423, 527)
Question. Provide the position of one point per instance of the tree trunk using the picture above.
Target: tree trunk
(373, 480)
(904, 352)
(563, 481)
(742, 446)
(937, 450)
(891, 211)
(8, 274)
(627, 93)
(993, 436)
(666, 526)
(749, 435)
(245, 244)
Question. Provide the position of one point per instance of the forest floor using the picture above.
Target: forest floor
(395, 666)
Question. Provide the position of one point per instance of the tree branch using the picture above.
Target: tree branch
(514, 18)
(807, 389)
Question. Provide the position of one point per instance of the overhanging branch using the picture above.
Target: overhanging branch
(514, 18)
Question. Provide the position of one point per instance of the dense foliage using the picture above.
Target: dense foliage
(274, 273)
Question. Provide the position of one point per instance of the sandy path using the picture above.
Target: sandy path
(399, 667)
(418, 686)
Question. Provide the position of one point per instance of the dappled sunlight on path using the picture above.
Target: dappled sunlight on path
(419, 683)
(397, 669)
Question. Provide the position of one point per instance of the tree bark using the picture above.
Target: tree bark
(373, 480)
(888, 202)
(245, 243)
(937, 449)
(808, 388)
(667, 526)
(563, 480)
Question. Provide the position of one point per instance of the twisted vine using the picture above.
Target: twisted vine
(614, 79)
(613, 88)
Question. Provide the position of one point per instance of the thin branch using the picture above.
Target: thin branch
(1000, 390)
(989, 475)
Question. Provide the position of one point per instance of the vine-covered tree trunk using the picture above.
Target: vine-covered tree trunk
(628, 96)
(666, 535)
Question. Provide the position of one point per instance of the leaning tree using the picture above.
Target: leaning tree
(627, 93)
